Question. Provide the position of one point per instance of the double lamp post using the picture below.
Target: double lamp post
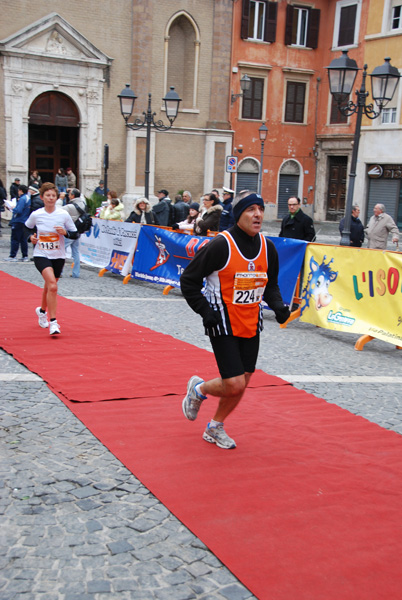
(384, 80)
(127, 100)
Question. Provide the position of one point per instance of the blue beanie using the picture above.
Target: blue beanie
(245, 202)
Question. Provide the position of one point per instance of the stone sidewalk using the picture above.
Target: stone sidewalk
(76, 524)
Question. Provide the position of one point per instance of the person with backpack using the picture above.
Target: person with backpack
(74, 203)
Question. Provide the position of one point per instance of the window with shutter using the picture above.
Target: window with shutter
(302, 25)
(259, 20)
(294, 107)
(347, 24)
(252, 99)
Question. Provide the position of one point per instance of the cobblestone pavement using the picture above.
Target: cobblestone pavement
(76, 524)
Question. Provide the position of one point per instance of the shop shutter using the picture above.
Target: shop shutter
(246, 181)
(288, 186)
(383, 191)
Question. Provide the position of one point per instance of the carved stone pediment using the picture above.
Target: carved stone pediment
(54, 38)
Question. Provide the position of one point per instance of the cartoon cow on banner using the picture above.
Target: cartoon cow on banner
(318, 281)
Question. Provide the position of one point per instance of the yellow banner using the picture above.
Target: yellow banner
(353, 289)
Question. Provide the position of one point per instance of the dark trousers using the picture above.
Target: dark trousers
(18, 238)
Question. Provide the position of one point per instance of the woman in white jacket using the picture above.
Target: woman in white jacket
(188, 224)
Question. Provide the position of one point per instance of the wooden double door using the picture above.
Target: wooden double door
(53, 135)
(336, 196)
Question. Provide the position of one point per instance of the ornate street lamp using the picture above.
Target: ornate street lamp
(263, 132)
(384, 80)
(245, 83)
(127, 100)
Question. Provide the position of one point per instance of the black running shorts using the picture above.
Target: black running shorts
(235, 355)
(57, 264)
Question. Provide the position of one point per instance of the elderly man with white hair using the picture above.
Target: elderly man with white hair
(380, 225)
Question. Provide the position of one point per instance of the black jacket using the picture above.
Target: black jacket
(135, 217)
(299, 227)
(356, 231)
(227, 218)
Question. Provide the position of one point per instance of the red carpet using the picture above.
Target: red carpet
(98, 356)
(308, 507)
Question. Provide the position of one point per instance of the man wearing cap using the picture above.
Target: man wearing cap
(227, 218)
(161, 209)
(101, 188)
(241, 269)
(14, 188)
(36, 201)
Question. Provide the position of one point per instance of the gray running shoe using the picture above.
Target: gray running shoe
(192, 402)
(217, 435)
(42, 318)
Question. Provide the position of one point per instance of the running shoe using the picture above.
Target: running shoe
(24, 259)
(54, 327)
(217, 435)
(192, 401)
(11, 259)
(42, 318)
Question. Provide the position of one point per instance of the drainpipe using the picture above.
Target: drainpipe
(315, 142)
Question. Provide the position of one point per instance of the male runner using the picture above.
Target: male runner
(241, 269)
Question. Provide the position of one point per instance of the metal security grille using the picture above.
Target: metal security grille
(247, 181)
(383, 191)
(288, 186)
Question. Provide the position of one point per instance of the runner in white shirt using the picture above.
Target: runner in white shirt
(52, 225)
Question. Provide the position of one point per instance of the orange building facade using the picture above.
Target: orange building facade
(284, 48)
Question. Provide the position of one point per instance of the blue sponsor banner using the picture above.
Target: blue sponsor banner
(291, 255)
(162, 255)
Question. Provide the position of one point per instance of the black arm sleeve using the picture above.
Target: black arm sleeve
(208, 259)
(72, 235)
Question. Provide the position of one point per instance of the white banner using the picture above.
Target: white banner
(109, 244)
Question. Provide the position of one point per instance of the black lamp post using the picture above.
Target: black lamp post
(263, 132)
(342, 74)
(127, 100)
(245, 83)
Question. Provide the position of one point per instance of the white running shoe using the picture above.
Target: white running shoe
(54, 327)
(42, 318)
(217, 435)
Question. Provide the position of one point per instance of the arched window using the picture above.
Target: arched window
(182, 45)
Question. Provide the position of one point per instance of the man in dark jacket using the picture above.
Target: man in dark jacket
(161, 210)
(227, 218)
(36, 201)
(297, 225)
(14, 188)
(356, 228)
